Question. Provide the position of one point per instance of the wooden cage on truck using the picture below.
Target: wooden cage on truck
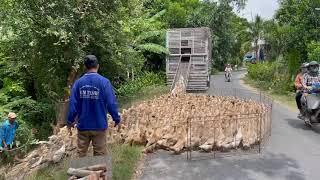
(190, 56)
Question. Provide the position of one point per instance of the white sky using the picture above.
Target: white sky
(265, 8)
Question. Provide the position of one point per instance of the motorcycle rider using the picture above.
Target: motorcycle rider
(312, 76)
(299, 86)
(309, 79)
(228, 70)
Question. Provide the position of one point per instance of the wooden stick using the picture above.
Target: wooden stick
(93, 176)
(81, 173)
(98, 167)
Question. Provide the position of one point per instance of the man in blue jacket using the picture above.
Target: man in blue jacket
(92, 97)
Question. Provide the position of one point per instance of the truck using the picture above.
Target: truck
(190, 56)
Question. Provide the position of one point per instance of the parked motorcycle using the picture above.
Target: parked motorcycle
(311, 105)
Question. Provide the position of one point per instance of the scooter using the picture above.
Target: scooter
(228, 76)
(311, 106)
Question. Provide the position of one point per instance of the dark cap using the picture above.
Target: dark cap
(91, 61)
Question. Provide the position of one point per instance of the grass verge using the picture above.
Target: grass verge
(285, 98)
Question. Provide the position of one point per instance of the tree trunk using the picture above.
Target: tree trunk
(256, 50)
(62, 106)
(71, 78)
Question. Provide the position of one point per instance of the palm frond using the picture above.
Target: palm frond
(150, 34)
(155, 48)
(158, 15)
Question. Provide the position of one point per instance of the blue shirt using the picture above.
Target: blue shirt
(8, 132)
(92, 97)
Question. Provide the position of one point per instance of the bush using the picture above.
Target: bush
(34, 114)
(13, 89)
(262, 72)
(271, 76)
(37, 115)
(314, 51)
(214, 71)
(26, 139)
(146, 79)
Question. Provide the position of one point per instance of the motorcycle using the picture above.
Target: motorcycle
(228, 76)
(311, 105)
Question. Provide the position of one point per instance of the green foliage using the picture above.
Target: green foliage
(314, 51)
(261, 72)
(153, 48)
(303, 21)
(42, 41)
(293, 37)
(277, 36)
(214, 71)
(228, 30)
(144, 80)
(13, 88)
(271, 76)
(24, 136)
(31, 114)
(293, 60)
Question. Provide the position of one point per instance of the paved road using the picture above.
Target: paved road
(293, 153)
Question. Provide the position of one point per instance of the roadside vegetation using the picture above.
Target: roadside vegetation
(293, 35)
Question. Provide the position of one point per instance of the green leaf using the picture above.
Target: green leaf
(155, 48)
(158, 15)
(150, 34)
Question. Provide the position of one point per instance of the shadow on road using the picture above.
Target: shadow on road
(299, 124)
(266, 166)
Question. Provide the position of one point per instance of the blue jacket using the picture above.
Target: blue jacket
(7, 132)
(92, 97)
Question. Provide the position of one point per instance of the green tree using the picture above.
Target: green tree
(228, 32)
(43, 43)
(277, 37)
(314, 51)
(303, 21)
(255, 29)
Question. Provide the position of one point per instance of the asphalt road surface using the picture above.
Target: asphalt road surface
(292, 153)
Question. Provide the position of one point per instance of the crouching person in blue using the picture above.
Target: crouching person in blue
(8, 132)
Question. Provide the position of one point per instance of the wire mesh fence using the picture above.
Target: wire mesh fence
(228, 134)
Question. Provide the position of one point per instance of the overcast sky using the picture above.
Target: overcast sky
(265, 8)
